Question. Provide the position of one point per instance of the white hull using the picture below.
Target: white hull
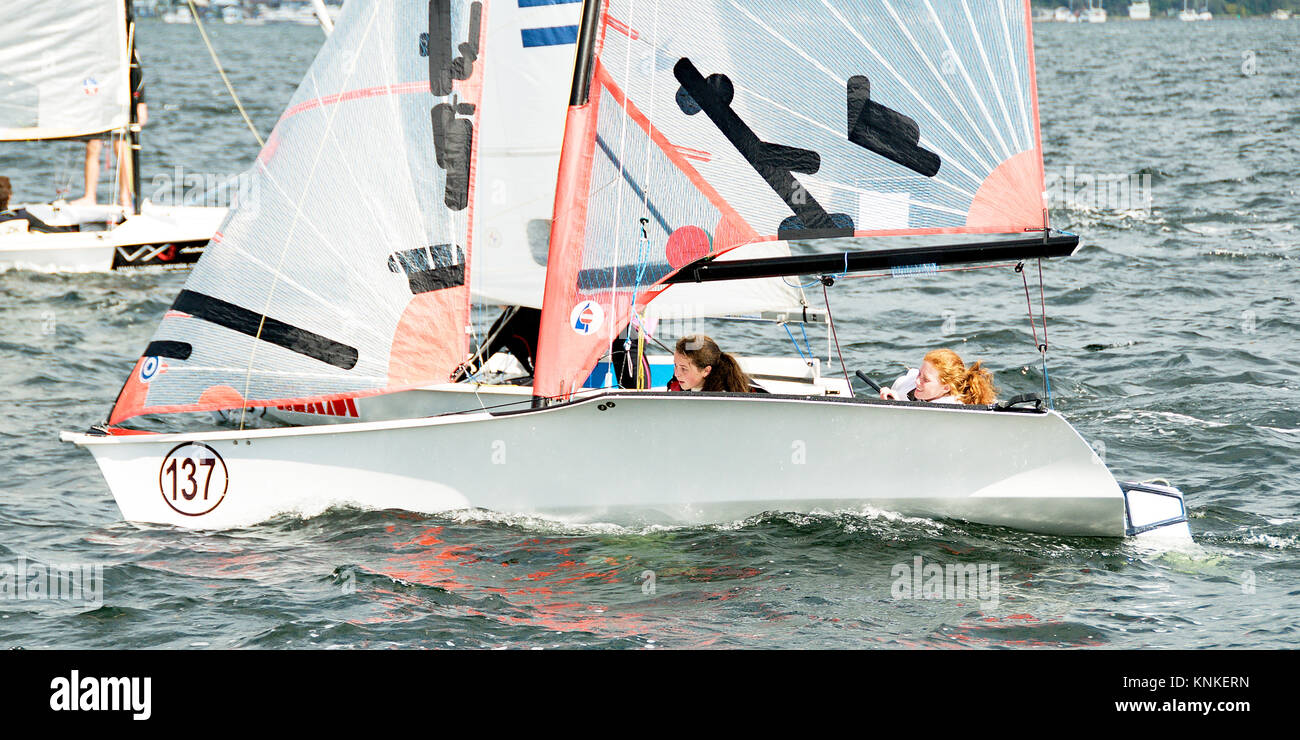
(776, 374)
(161, 237)
(638, 457)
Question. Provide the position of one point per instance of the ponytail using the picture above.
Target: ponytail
(727, 376)
(977, 386)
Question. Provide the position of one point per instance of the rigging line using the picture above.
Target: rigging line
(650, 119)
(807, 345)
(945, 269)
(906, 85)
(1042, 303)
(213, 52)
(1047, 382)
(297, 213)
(1042, 348)
(618, 211)
(1029, 306)
(831, 320)
(988, 68)
(1015, 71)
(952, 95)
(794, 341)
(799, 286)
(970, 83)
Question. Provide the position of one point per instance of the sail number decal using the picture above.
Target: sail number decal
(193, 479)
(453, 136)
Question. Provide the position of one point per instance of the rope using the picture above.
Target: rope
(1042, 348)
(831, 320)
(946, 269)
(796, 342)
(213, 52)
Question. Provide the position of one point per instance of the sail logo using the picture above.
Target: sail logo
(90, 86)
(586, 317)
(150, 368)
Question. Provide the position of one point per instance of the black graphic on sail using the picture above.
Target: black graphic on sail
(453, 137)
(885, 131)
(776, 163)
(430, 268)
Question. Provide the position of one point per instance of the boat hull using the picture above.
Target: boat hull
(635, 458)
(162, 238)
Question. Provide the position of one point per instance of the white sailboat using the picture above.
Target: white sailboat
(685, 127)
(60, 81)
(1139, 11)
(1189, 15)
(1095, 13)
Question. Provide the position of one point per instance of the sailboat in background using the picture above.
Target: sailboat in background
(59, 80)
(694, 132)
(1191, 14)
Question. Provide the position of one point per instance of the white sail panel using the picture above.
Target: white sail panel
(347, 273)
(529, 69)
(64, 68)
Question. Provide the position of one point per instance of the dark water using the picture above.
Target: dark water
(1173, 350)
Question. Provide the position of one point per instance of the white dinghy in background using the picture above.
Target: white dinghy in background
(699, 142)
(65, 73)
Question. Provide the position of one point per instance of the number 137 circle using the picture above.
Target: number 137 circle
(193, 479)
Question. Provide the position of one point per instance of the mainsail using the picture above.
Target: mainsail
(699, 126)
(348, 275)
(64, 69)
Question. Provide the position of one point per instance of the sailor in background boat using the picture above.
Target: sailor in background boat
(20, 214)
(700, 365)
(943, 378)
(95, 146)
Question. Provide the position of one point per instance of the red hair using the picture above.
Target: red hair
(972, 384)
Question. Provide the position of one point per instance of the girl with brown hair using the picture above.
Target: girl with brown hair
(700, 365)
(944, 378)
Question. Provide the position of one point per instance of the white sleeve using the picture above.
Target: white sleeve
(905, 383)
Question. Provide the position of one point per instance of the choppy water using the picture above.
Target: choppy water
(1174, 350)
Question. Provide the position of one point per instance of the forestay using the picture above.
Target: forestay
(347, 274)
(711, 124)
(64, 68)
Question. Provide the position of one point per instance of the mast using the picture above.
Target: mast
(133, 127)
(566, 221)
